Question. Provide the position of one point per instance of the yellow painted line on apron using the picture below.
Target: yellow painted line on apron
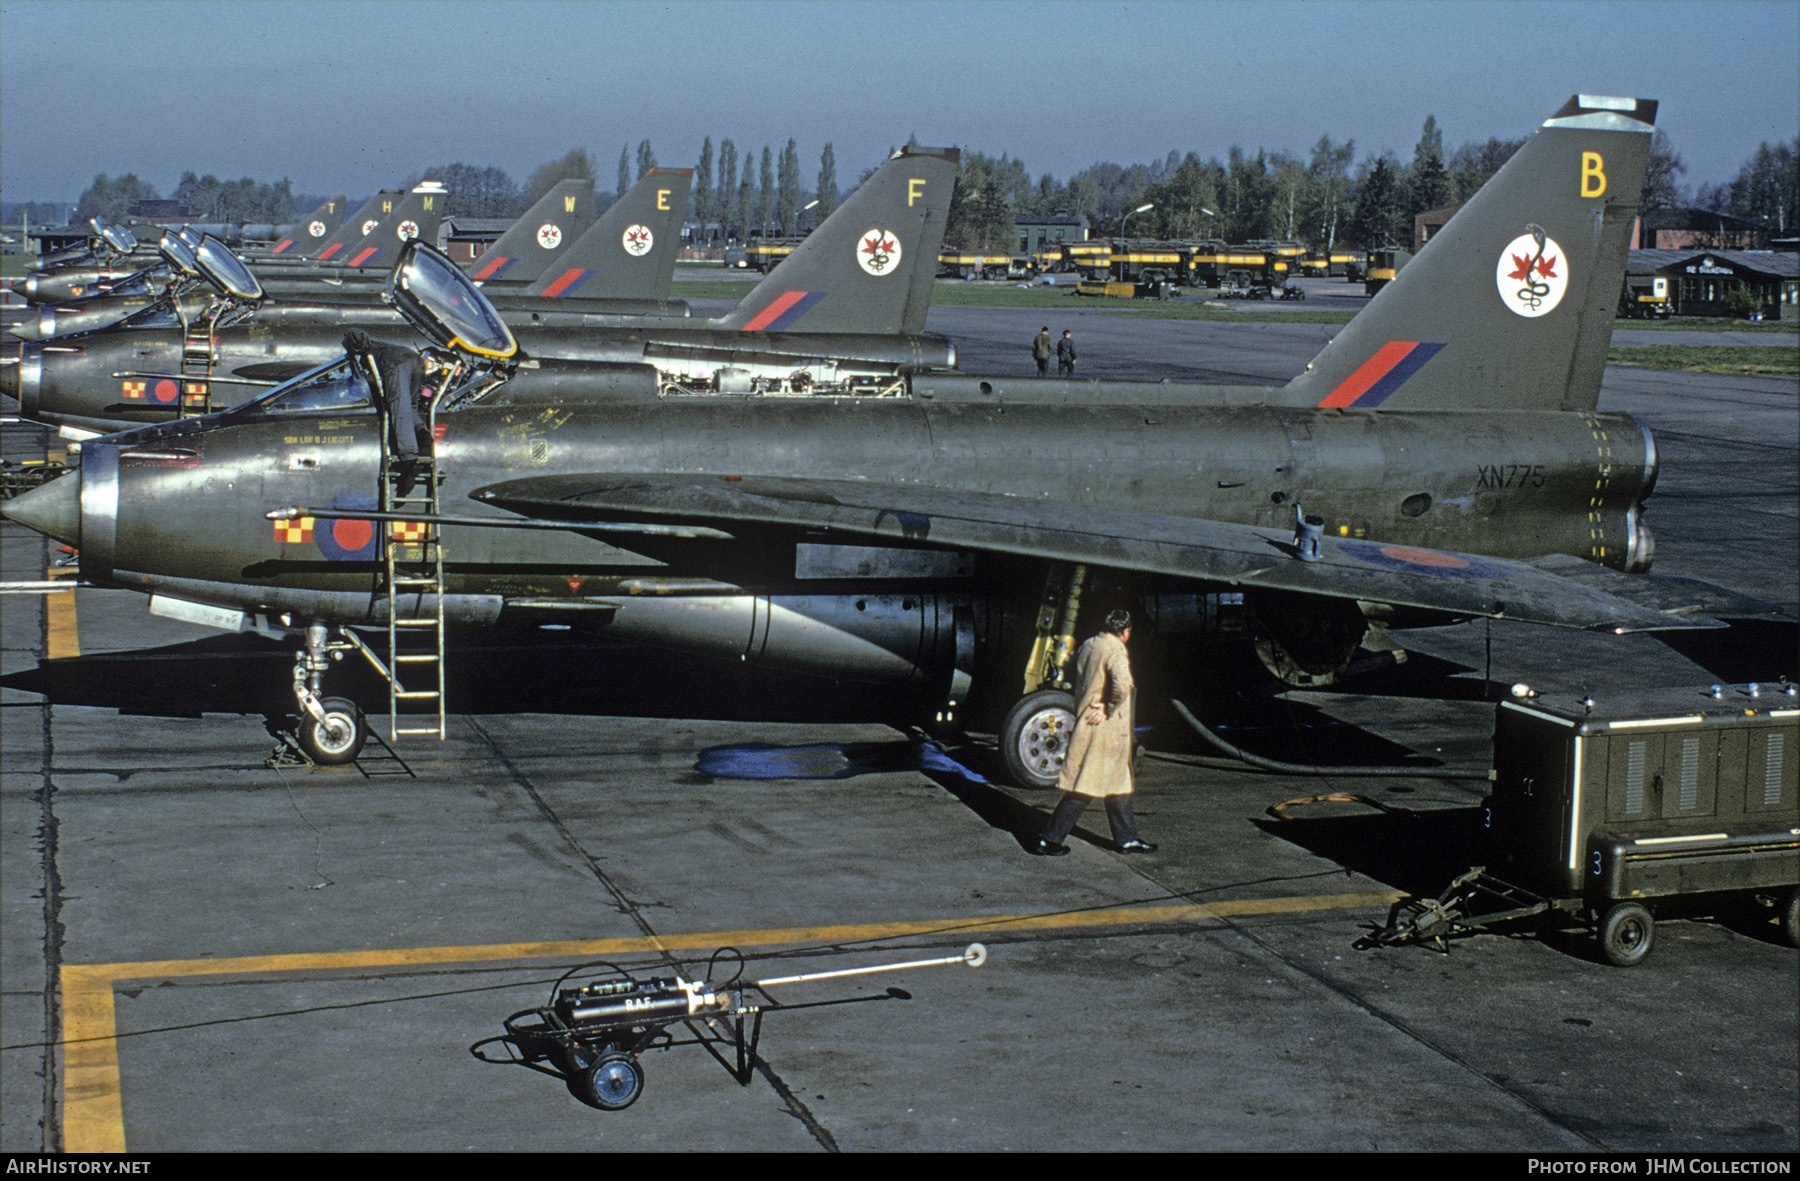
(62, 640)
(93, 1116)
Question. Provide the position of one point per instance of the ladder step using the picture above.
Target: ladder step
(425, 730)
(415, 694)
(415, 660)
(415, 623)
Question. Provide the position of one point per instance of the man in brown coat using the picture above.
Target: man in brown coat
(1100, 749)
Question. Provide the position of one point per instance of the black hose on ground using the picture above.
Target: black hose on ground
(1258, 761)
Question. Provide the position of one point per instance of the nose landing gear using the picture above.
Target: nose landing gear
(332, 730)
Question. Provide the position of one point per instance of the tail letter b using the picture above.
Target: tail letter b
(1593, 175)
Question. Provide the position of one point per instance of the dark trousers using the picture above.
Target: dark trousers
(1118, 814)
(1043, 366)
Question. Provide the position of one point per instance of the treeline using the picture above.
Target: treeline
(733, 196)
(1325, 198)
(1322, 199)
(207, 198)
(1767, 188)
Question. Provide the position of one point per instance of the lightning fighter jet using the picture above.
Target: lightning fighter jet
(1441, 459)
(845, 310)
(560, 266)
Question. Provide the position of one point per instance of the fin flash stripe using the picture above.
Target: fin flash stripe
(1382, 374)
(569, 283)
(365, 256)
(495, 267)
(781, 314)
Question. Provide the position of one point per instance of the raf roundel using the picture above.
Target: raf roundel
(348, 539)
(409, 230)
(878, 252)
(316, 228)
(1532, 274)
(369, 226)
(638, 240)
(549, 235)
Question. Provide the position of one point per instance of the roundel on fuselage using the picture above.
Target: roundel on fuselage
(349, 539)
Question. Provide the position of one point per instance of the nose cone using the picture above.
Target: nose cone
(53, 509)
(38, 327)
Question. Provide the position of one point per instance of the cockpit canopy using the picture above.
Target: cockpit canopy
(226, 271)
(333, 387)
(118, 237)
(437, 297)
(178, 253)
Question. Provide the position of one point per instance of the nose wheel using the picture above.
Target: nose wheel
(332, 730)
(338, 737)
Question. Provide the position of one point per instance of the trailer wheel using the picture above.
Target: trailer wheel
(1790, 919)
(614, 1082)
(339, 738)
(1035, 737)
(1626, 934)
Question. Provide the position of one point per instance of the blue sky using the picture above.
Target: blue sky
(354, 96)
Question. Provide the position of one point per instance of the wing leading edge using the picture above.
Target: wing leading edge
(1242, 556)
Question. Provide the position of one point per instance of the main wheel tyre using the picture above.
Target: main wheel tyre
(339, 738)
(614, 1082)
(1034, 739)
(1626, 934)
(1790, 919)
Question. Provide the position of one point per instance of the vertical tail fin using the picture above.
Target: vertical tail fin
(543, 235)
(869, 267)
(1511, 304)
(309, 234)
(416, 215)
(629, 253)
(353, 229)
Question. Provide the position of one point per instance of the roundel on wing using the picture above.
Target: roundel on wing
(638, 240)
(348, 539)
(1532, 274)
(409, 229)
(878, 252)
(316, 228)
(1428, 562)
(549, 235)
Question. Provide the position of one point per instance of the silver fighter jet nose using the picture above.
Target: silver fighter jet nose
(53, 509)
(36, 326)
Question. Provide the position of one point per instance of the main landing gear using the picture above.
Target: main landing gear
(1034, 738)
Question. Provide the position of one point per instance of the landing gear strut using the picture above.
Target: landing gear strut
(332, 729)
(1034, 739)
